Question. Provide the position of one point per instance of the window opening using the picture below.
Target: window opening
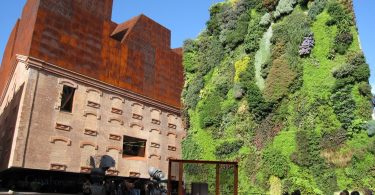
(67, 99)
(133, 146)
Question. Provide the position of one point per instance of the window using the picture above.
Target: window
(134, 146)
(67, 99)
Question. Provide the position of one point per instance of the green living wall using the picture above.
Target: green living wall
(282, 87)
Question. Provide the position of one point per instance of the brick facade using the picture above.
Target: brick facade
(127, 82)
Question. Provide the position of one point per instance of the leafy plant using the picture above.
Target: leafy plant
(317, 8)
(284, 7)
(307, 45)
(275, 163)
(344, 106)
(266, 19)
(370, 128)
(227, 148)
(278, 81)
(270, 5)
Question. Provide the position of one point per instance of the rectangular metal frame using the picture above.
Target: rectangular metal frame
(217, 163)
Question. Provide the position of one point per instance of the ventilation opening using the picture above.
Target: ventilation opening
(120, 35)
(134, 147)
(67, 99)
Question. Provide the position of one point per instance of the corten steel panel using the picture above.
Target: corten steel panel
(79, 35)
(19, 43)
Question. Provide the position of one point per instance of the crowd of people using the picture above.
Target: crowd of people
(344, 192)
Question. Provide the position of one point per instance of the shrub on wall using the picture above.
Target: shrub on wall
(237, 36)
(342, 42)
(344, 37)
(254, 34)
(307, 45)
(278, 81)
(284, 7)
(288, 34)
(266, 20)
(270, 5)
(371, 129)
(308, 149)
(274, 163)
(258, 106)
(364, 89)
(191, 91)
(228, 147)
(317, 8)
(209, 111)
(344, 106)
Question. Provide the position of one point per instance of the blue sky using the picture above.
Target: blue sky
(186, 18)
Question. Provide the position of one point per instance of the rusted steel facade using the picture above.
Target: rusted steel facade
(123, 82)
(79, 35)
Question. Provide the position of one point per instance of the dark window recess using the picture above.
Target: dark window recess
(67, 99)
(134, 147)
(120, 35)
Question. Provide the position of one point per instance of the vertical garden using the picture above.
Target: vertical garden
(282, 87)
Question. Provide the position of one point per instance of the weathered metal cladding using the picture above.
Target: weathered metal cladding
(78, 35)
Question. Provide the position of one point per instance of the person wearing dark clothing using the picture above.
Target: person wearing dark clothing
(296, 192)
(344, 192)
(86, 187)
(355, 193)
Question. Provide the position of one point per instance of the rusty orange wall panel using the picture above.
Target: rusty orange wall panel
(19, 43)
(78, 35)
(7, 66)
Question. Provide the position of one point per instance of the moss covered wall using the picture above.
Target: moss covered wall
(282, 87)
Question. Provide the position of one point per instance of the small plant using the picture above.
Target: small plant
(265, 20)
(317, 8)
(307, 45)
(370, 128)
(228, 148)
(284, 7)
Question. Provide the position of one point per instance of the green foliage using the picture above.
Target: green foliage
(360, 170)
(301, 131)
(284, 7)
(237, 36)
(278, 81)
(303, 3)
(210, 114)
(191, 92)
(266, 66)
(317, 8)
(270, 5)
(289, 34)
(332, 140)
(266, 19)
(370, 126)
(211, 53)
(342, 42)
(308, 155)
(357, 126)
(254, 34)
(344, 106)
(275, 185)
(344, 37)
(308, 147)
(213, 26)
(338, 14)
(262, 56)
(258, 106)
(241, 67)
(228, 148)
(275, 163)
